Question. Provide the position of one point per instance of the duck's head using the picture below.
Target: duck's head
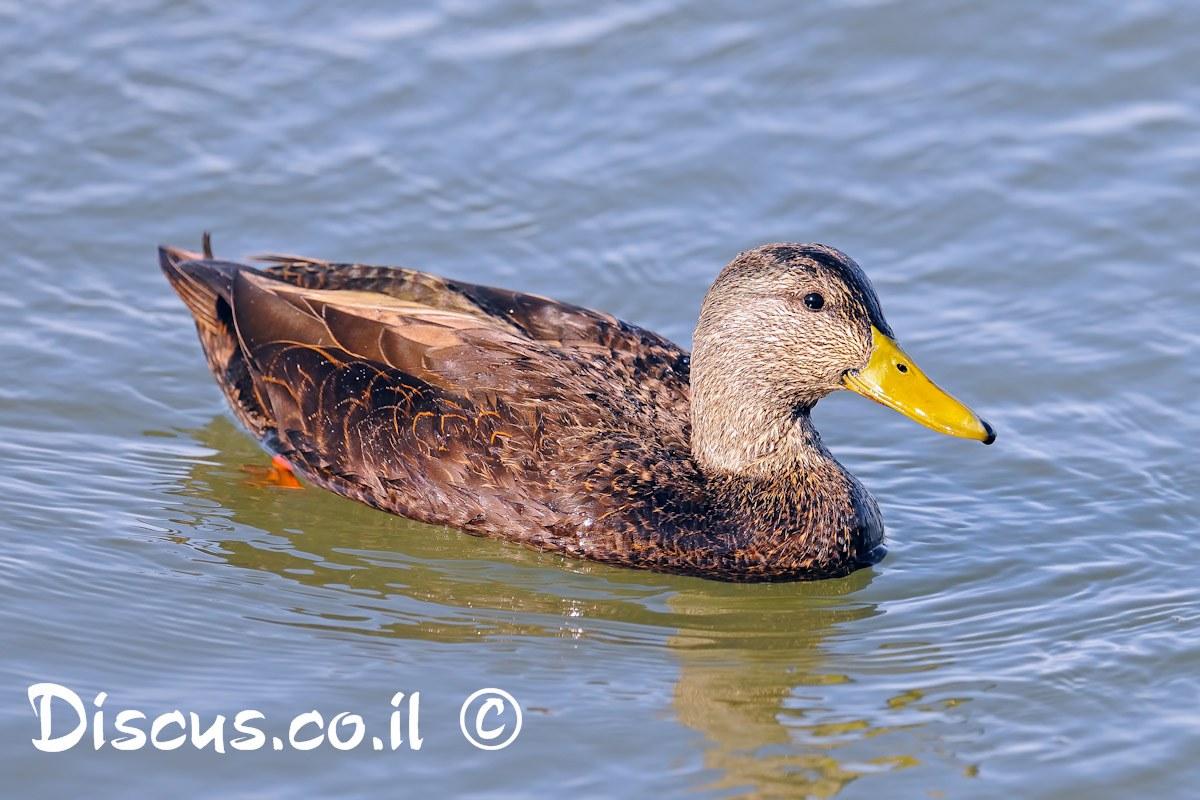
(783, 326)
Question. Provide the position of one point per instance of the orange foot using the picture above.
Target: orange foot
(278, 476)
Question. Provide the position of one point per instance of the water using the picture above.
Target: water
(1019, 181)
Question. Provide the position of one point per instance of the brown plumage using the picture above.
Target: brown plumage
(513, 416)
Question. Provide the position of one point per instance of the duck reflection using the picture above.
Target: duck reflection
(754, 660)
(752, 668)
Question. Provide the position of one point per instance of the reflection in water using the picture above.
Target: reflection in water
(754, 661)
(744, 670)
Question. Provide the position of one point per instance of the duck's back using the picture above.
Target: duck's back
(505, 414)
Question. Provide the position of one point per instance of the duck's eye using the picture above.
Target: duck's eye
(814, 301)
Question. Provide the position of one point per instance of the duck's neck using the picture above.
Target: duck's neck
(750, 437)
(782, 488)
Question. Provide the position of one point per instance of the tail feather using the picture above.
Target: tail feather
(200, 282)
(206, 286)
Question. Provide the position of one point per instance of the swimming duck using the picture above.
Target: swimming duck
(517, 417)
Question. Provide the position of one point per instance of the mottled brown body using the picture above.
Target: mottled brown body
(517, 417)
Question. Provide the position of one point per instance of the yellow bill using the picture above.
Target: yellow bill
(893, 379)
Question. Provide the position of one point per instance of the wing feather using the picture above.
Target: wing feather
(486, 409)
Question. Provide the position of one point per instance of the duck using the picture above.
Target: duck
(513, 416)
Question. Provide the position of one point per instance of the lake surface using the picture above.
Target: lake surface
(1019, 180)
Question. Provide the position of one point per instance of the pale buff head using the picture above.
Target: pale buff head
(780, 327)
